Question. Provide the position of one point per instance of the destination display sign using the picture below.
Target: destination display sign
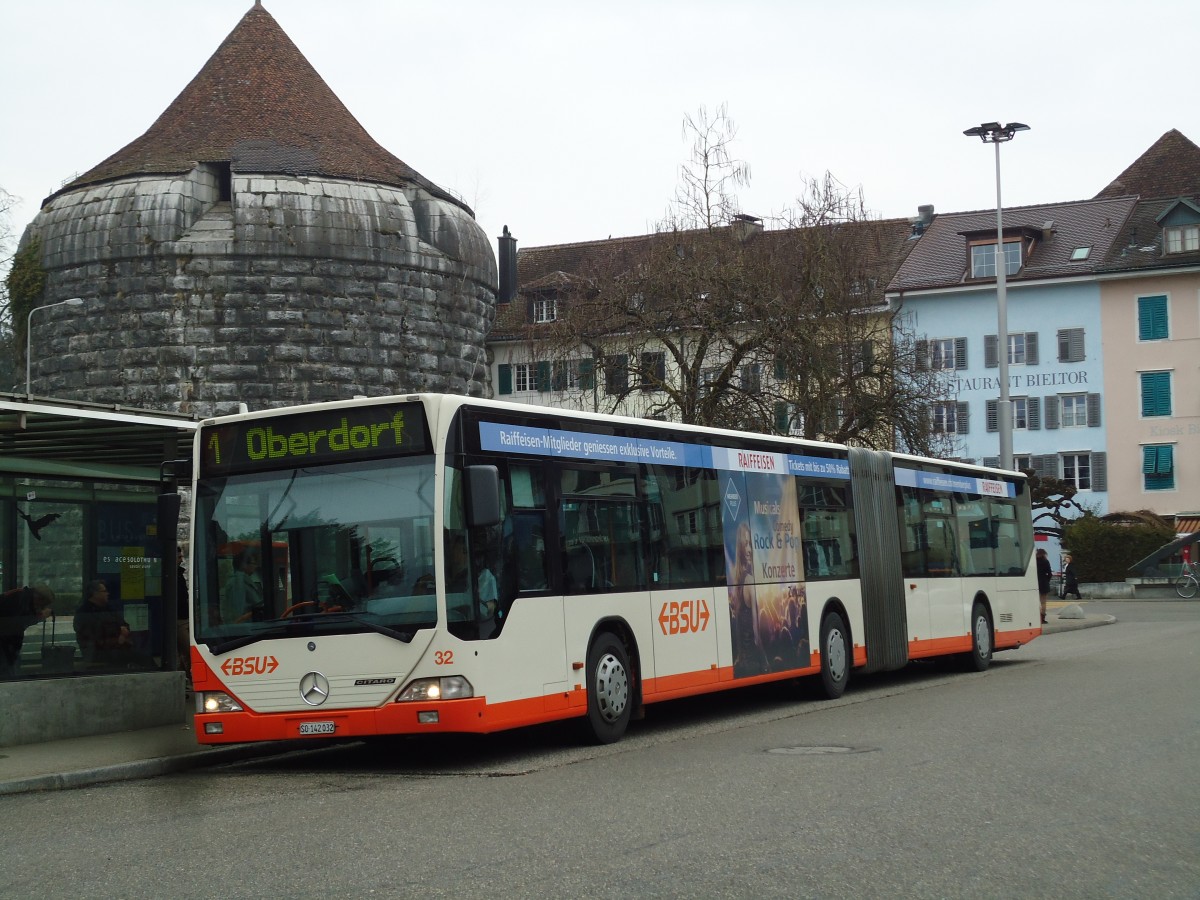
(342, 434)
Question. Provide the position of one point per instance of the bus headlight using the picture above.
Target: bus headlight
(448, 687)
(216, 702)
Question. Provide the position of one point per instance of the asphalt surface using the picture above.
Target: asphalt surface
(97, 759)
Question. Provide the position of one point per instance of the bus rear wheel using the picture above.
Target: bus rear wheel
(609, 689)
(980, 656)
(835, 655)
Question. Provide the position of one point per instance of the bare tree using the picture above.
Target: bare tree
(8, 355)
(714, 320)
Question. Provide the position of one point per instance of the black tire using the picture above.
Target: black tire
(835, 655)
(1186, 587)
(982, 639)
(609, 689)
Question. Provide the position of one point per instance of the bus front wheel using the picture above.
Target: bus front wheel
(980, 656)
(609, 689)
(835, 655)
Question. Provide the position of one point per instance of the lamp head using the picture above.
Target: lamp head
(994, 132)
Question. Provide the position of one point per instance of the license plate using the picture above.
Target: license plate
(317, 728)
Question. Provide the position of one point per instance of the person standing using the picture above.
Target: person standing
(20, 608)
(244, 593)
(1070, 581)
(1044, 574)
(182, 612)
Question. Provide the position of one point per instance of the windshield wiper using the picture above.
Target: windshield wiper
(289, 627)
(245, 640)
(405, 636)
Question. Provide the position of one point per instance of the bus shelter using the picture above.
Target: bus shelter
(82, 523)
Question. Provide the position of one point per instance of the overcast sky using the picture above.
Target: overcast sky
(563, 119)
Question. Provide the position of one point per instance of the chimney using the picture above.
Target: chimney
(745, 227)
(508, 267)
(923, 220)
(1047, 229)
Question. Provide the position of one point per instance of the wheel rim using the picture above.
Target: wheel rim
(612, 687)
(983, 637)
(835, 654)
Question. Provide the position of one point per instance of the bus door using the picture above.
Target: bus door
(685, 558)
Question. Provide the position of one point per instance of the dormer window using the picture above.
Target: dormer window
(545, 309)
(1181, 238)
(983, 258)
(1180, 227)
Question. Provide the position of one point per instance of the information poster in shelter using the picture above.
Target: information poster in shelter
(761, 519)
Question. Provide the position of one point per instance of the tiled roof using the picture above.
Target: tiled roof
(1170, 168)
(1140, 245)
(939, 258)
(260, 105)
(567, 268)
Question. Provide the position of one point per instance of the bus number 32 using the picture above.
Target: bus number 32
(683, 616)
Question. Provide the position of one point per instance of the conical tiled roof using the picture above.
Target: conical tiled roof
(261, 106)
(1170, 168)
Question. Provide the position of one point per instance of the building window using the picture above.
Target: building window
(1158, 467)
(572, 375)
(708, 377)
(653, 373)
(983, 259)
(1070, 345)
(525, 377)
(1022, 349)
(941, 353)
(545, 309)
(750, 378)
(1020, 407)
(1181, 238)
(1077, 470)
(1156, 394)
(1152, 318)
(944, 418)
(1016, 349)
(950, 417)
(1022, 462)
(1073, 410)
(616, 374)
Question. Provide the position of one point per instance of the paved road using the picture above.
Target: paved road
(1066, 770)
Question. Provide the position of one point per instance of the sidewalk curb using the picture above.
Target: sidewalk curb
(146, 768)
(1055, 625)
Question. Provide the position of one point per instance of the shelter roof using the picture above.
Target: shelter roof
(87, 439)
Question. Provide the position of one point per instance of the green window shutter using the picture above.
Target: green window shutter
(780, 369)
(782, 420)
(1156, 394)
(587, 374)
(543, 376)
(1152, 318)
(505, 378)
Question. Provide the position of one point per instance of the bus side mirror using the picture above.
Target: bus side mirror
(483, 496)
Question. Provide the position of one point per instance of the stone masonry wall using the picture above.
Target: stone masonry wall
(296, 291)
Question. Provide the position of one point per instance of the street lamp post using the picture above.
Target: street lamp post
(74, 301)
(995, 133)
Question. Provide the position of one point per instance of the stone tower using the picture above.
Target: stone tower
(257, 245)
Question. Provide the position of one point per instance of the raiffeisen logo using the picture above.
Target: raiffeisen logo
(263, 442)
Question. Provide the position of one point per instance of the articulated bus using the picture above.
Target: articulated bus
(435, 563)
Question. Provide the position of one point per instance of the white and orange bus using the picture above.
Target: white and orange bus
(441, 564)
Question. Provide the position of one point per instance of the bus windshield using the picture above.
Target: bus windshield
(338, 548)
